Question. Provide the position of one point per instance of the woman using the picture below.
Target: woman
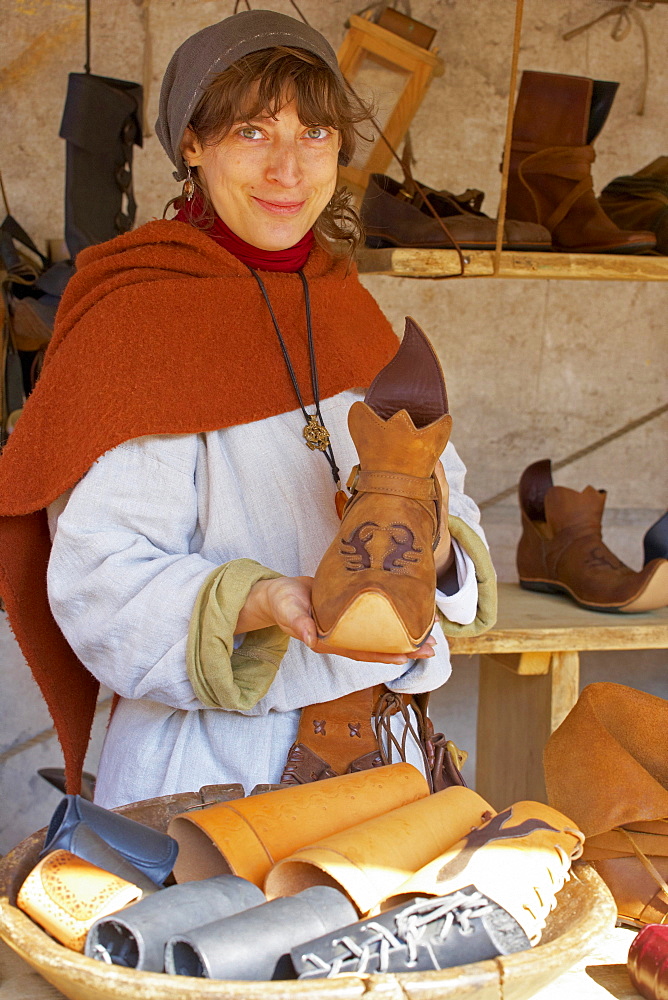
(186, 516)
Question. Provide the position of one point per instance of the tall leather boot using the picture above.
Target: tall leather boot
(557, 118)
(375, 586)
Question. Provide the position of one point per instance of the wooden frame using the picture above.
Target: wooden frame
(367, 39)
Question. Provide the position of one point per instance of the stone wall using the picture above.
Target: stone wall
(534, 368)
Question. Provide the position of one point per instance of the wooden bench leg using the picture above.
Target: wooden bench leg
(517, 711)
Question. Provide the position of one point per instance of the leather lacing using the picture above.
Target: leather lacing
(410, 925)
(651, 870)
(390, 704)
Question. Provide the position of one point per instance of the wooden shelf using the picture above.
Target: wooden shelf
(402, 262)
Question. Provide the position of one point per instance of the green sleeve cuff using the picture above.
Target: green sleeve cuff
(222, 676)
(485, 574)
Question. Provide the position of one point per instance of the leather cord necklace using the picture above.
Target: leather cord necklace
(316, 435)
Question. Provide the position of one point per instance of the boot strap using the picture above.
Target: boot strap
(393, 483)
(568, 162)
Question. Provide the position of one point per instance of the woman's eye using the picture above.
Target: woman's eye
(248, 132)
(317, 132)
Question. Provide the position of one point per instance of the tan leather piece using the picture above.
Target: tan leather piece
(550, 167)
(561, 549)
(248, 836)
(371, 860)
(607, 765)
(384, 550)
(66, 895)
(520, 859)
(638, 897)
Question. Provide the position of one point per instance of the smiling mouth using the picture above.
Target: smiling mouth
(280, 207)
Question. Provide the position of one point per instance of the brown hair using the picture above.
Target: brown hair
(283, 73)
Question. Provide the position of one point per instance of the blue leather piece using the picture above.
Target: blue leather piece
(152, 852)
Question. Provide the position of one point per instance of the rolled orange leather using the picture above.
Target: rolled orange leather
(371, 860)
(65, 895)
(246, 837)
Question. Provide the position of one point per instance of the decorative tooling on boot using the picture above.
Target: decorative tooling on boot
(374, 546)
(375, 586)
(561, 549)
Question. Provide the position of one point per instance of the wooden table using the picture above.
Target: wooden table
(530, 680)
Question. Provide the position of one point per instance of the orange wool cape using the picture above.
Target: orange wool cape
(160, 331)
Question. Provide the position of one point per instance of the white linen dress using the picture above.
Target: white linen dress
(134, 541)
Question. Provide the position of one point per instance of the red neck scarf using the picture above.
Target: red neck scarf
(291, 259)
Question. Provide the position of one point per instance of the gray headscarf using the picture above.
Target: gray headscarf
(210, 51)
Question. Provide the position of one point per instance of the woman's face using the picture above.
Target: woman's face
(269, 179)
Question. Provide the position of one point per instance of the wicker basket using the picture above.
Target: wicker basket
(586, 910)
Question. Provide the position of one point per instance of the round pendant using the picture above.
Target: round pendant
(315, 434)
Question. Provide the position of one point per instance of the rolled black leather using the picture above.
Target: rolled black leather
(152, 852)
(135, 937)
(255, 944)
(419, 935)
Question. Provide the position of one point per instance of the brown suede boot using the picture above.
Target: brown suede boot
(374, 588)
(561, 549)
(639, 200)
(557, 117)
(607, 765)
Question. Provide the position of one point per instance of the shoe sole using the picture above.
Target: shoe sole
(653, 596)
(371, 624)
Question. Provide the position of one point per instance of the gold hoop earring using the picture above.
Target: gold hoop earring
(188, 185)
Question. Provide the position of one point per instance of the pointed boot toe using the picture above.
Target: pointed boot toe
(561, 550)
(374, 588)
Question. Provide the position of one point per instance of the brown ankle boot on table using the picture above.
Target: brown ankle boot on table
(557, 117)
(375, 586)
(561, 549)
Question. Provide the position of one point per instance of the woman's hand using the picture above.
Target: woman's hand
(286, 602)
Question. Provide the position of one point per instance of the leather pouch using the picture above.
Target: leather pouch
(152, 852)
(136, 938)
(65, 895)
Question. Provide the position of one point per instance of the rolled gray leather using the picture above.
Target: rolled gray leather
(135, 937)
(256, 944)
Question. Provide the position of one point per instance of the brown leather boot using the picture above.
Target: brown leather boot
(557, 117)
(561, 549)
(375, 586)
(640, 199)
